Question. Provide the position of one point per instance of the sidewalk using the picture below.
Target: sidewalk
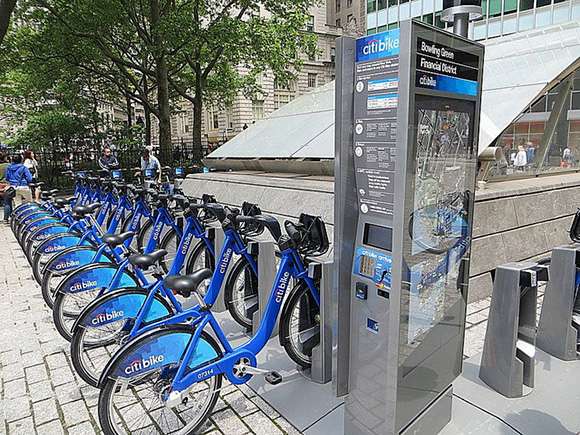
(41, 394)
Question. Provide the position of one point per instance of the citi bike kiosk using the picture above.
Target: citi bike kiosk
(407, 123)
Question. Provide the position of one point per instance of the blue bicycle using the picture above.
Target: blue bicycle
(167, 380)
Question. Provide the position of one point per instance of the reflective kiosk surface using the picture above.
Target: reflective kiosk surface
(410, 166)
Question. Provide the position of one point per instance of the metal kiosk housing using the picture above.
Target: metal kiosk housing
(407, 123)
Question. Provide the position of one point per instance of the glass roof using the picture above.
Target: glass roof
(518, 69)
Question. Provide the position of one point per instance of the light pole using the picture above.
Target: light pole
(461, 12)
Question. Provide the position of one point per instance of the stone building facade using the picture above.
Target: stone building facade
(221, 124)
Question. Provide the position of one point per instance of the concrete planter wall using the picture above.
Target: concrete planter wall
(514, 220)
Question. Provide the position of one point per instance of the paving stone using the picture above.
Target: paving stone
(287, 427)
(45, 411)
(13, 371)
(61, 376)
(265, 407)
(52, 428)
(75, 412)
(13, 389)
(56, 361)
(261, 424)
(68, 393)
(85, 428)
(41, 391)
(240, 403)
(16, 408)
(228, 422)
(9, 357)
(21, 427)
(36, 374)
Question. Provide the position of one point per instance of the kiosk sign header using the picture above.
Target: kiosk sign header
(378, 46)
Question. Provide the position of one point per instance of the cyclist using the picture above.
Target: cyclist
(149, 161)
(108, 161)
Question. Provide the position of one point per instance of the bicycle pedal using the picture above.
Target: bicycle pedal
(273, 378)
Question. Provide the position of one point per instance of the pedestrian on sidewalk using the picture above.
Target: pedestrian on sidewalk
(32, 166)
(18, 176)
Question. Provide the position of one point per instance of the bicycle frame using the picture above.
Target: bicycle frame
(290, 266)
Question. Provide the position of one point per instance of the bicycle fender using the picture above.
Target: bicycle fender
(153, 350)
(44, 233)
(94, 276)
(73, 258)
(60, 242)
(37, 223)
(121, 304)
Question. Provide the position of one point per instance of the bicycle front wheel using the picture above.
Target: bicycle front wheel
(241, 293)
(300, 325)
(134, 405)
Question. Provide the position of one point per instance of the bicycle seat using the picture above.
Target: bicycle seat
(64, 201)
(35, 185)
(86, 209)
(114, 240)
(144, 261)
(185, 284)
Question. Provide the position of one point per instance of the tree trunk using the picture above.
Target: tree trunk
(147, 126)
(129, 115)
(6, 8)
(162, 83)
(197, 145)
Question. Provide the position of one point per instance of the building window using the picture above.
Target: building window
(541, 3)
(382, 28)
(312, 80)
(338, 23)
(284, 85)
(371, 31)
(282, 98)
(257, 110)
(310, 23)
(393, 26)
(526, 5)
(393, 2)
(332, 54)
(510, 6)
(213, 117)
(184, 122)
(438, 21)
(349, 3)
(494, 8)
(230, 118)
(337, 5)
(382, 4)
(428, 19)
(371, 6)
(350, 18)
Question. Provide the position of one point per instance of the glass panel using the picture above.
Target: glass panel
(576, 101)
(540, 105)
(509, 25)
(484, 8)
(393, 26)
(404, 10)
(543, 18)
(382, 28)
(479, 31)
(428, 19)
(510, 6)
(560, 14)
(371, 31)
(526, 4)
(541, 3)
(393, 3)
(559, 1)
(382, 4)
(493, 29)
(438, 21)
(371, 6)
(526, 22)
(494, 8)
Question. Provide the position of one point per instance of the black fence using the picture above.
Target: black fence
(52, 164)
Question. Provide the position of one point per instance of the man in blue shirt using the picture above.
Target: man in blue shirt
(18, 176)
(149, 161)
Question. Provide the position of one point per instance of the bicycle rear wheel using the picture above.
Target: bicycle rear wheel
(241, 292)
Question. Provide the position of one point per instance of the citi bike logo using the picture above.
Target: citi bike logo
(119, 214)
(82, 285)
(426, 80)
(105, 317)
(54, 248)
(375, 46)
(282, 287)
(157, 231)
(186, 243)
(142, 364)
(66, 264)
(225, 260)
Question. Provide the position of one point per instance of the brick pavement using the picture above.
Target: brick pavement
(41, 394)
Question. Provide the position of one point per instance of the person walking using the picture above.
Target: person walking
(32, 166)
(520, 160)
(18, 176)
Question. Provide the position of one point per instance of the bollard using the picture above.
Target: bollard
(215, 233)
(508, 358)
(321, 370)
(556, 335)
(264, 251)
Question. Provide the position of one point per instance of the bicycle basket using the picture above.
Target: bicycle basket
(315, 239)
(252, 228)
(575, 228)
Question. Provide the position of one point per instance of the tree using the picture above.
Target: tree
(6, 8)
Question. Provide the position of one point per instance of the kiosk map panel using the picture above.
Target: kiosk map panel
(375, 112)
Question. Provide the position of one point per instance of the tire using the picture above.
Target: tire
(68, 306)
(241, 292)
(300, 325)
(156, 417)
(20, 229)
(92, 347)
(33, 226)
(170, 242)
(51, 278)
(39, 259)
(31, 241)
